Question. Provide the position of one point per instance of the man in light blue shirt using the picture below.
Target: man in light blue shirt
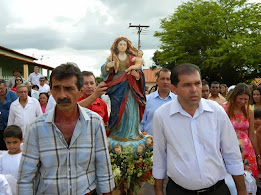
(65, 150)
(35, 76)
(156, 99)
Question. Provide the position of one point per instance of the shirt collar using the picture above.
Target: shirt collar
(156, 94)
(29, 101)
(203, 106)
(51, 114)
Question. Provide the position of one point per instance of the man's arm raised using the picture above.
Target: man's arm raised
(100, 90)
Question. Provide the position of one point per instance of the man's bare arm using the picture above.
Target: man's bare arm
(240, 184)
(159, 186)
(100, 90)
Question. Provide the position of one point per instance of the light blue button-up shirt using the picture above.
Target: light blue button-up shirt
(154, 101)
(192, 149)
(50, 166)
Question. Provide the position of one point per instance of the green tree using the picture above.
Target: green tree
(222, 37)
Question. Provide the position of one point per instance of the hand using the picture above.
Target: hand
(110, 64)
(135, 74)
(100, 90)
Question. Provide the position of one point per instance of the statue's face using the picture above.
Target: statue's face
(139, 149)
(117, 149)
(122, 46)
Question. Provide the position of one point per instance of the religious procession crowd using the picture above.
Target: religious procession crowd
(57, 136)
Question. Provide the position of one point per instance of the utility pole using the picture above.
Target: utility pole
(139, 28)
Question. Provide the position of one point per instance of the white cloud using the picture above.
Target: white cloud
(90, 60)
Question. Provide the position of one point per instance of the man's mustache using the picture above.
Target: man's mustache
(65, 100)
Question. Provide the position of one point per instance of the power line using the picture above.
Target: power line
(139, 28)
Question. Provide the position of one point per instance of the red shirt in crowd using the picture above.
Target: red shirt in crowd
(100, 107)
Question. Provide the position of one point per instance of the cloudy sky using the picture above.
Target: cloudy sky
(80, 31)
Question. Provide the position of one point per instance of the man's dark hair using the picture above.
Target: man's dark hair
(204, 82)
(215, 82)
(88, 73)
(162, 70)
(66, 71)
(183, 69)
(17, 71)
(13, 131)
(257, 113)
(2, 81)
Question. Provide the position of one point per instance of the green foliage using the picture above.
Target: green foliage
(222, 37)
(99, 79)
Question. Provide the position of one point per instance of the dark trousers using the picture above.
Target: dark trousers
(2, 142)
(175, 189)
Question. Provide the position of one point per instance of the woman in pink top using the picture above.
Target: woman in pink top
(242, 118)
(43, 99)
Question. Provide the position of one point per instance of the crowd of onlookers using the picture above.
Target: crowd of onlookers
(22, 101)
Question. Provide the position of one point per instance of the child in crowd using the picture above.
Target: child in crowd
(9, 160)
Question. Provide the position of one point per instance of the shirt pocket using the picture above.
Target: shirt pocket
(85, 152)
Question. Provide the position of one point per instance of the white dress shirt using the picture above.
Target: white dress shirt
(24, 116)
(188, 148)
(43, 89)
(50, 104)
(34, 94)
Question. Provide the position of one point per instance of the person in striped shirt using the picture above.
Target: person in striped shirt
(65, 149)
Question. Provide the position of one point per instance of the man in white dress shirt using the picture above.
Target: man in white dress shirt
(194, 141)
(24, 110)
(43, 87)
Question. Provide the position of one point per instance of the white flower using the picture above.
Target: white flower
(116, 172)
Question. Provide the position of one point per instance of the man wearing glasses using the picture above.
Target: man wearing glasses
(24, 110)
(43, 87)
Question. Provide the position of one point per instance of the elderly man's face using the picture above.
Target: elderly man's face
(22, 93)
(3, 88)
(41, 81)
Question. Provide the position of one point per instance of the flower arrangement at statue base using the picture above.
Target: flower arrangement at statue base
(131, 169)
